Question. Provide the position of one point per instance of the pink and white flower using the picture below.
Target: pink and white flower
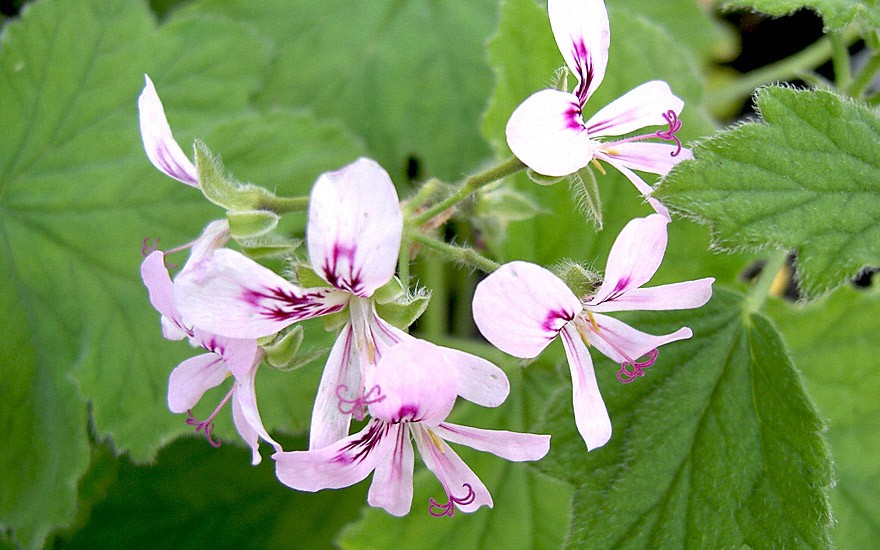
(162, 150)
(522, 307)
(414, 388)
(225, 356)
(548, 133)
(353, 237)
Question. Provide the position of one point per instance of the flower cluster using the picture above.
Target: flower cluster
(403, 388)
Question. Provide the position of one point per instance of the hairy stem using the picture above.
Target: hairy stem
(840, 58)
(458, 253)
(283, 205)
(862, 80)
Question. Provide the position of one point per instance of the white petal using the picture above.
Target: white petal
(622, 343)
(341, 464)
(341, 374)
(162, 150)
(228, 293)
(546, 133)
(354, 230)
(456, 477)
(685, 295)
(634, 257)
(246, 415)
(392, 487)
(521, 307)
(213, 237)
(655, 158)
(514, 446)
(479, 381)
(582, 34)
(590, 413)
(239, 354)
(161, 290)
(642, 106)
(192, 378)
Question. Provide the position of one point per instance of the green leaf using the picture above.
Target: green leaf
(836, 13)
(804, 178)
(834, 341)
(196, 496)
(530, 509)
(409, 76)
(719, 444)
(686, 20)
(78, 196)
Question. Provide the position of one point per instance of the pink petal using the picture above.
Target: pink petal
(642, 106)
(521, 307)
(582, 34)
(329, 423)
(514, 446)
(247, 417)
(239, 354)
(162, 150)
(479, 381)
(214, 236)
(685, 295)
(392, 487)
(230, 294)
(192, 378)
(417, 382)
(622, 343)
(450, 469)
(161, 290)
(355, 224)
(634, 258)
(341, 464)
(590, 413)
(546, 132)
(646, 156)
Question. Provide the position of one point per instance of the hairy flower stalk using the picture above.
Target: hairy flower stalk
(522, 307)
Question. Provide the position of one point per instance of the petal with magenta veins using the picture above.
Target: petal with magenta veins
(640, 107)
(228, 293)
(354, 229)
(521, 307)
(463, 488)
(392, 486)
(547, 134)
(161, 291)
(582, 33)
(684, 295)
(515, 446)
(634, 258)
(341, 464)
(652, 157)
(192, 378)
(341, 376)
(622, 343)
(239, 354)
(246, 415)
(590, 413)
(162, 150)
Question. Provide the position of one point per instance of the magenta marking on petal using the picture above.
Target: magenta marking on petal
(331, 264)
(625, 375)
(293, 306)
(551, 321)
(585, 70)
(448, 509)
(408, 413)
(573, 118)
(171, 167)
(669, 135)
(362, 446)
(359, 403)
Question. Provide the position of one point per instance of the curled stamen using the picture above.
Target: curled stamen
(438, 510)
(357, 405)
(625, 375)
(148, 247)
(206, 425)
(669, 135)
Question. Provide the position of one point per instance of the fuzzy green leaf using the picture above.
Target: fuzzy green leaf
(718, 445)
(807, 178)
(836, 13)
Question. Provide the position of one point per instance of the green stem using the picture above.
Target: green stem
(435, 321)
(465, 255)
(421, 197)
(759, 292)
(283, 205)
(840, 58)
(873, 100)
(471, 184)
(808, 58)
(865, 76)
(403, 261)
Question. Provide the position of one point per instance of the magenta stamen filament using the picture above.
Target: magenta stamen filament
(448, 509)
(668, 135)
(625, 375)
(148, 247)
(207, 426)
(359, 403)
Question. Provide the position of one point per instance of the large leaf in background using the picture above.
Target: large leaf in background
(409, 75)
(686, 20)
(531, 510)
(805, 178)
(524, 56)
(718, 446)
(834, 341)
(77, 196)
(198, 497)
(836, 13)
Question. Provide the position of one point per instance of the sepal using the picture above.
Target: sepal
(269, 246)
(404, 311)
(541, 179)
(578, 278)
(246, 224)
(585, 195)
(283, 352)
(221, 189)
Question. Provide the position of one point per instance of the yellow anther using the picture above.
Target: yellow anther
(593, 321)
(580, 328)
(436, 441)
(371, 351)
(598, 166)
